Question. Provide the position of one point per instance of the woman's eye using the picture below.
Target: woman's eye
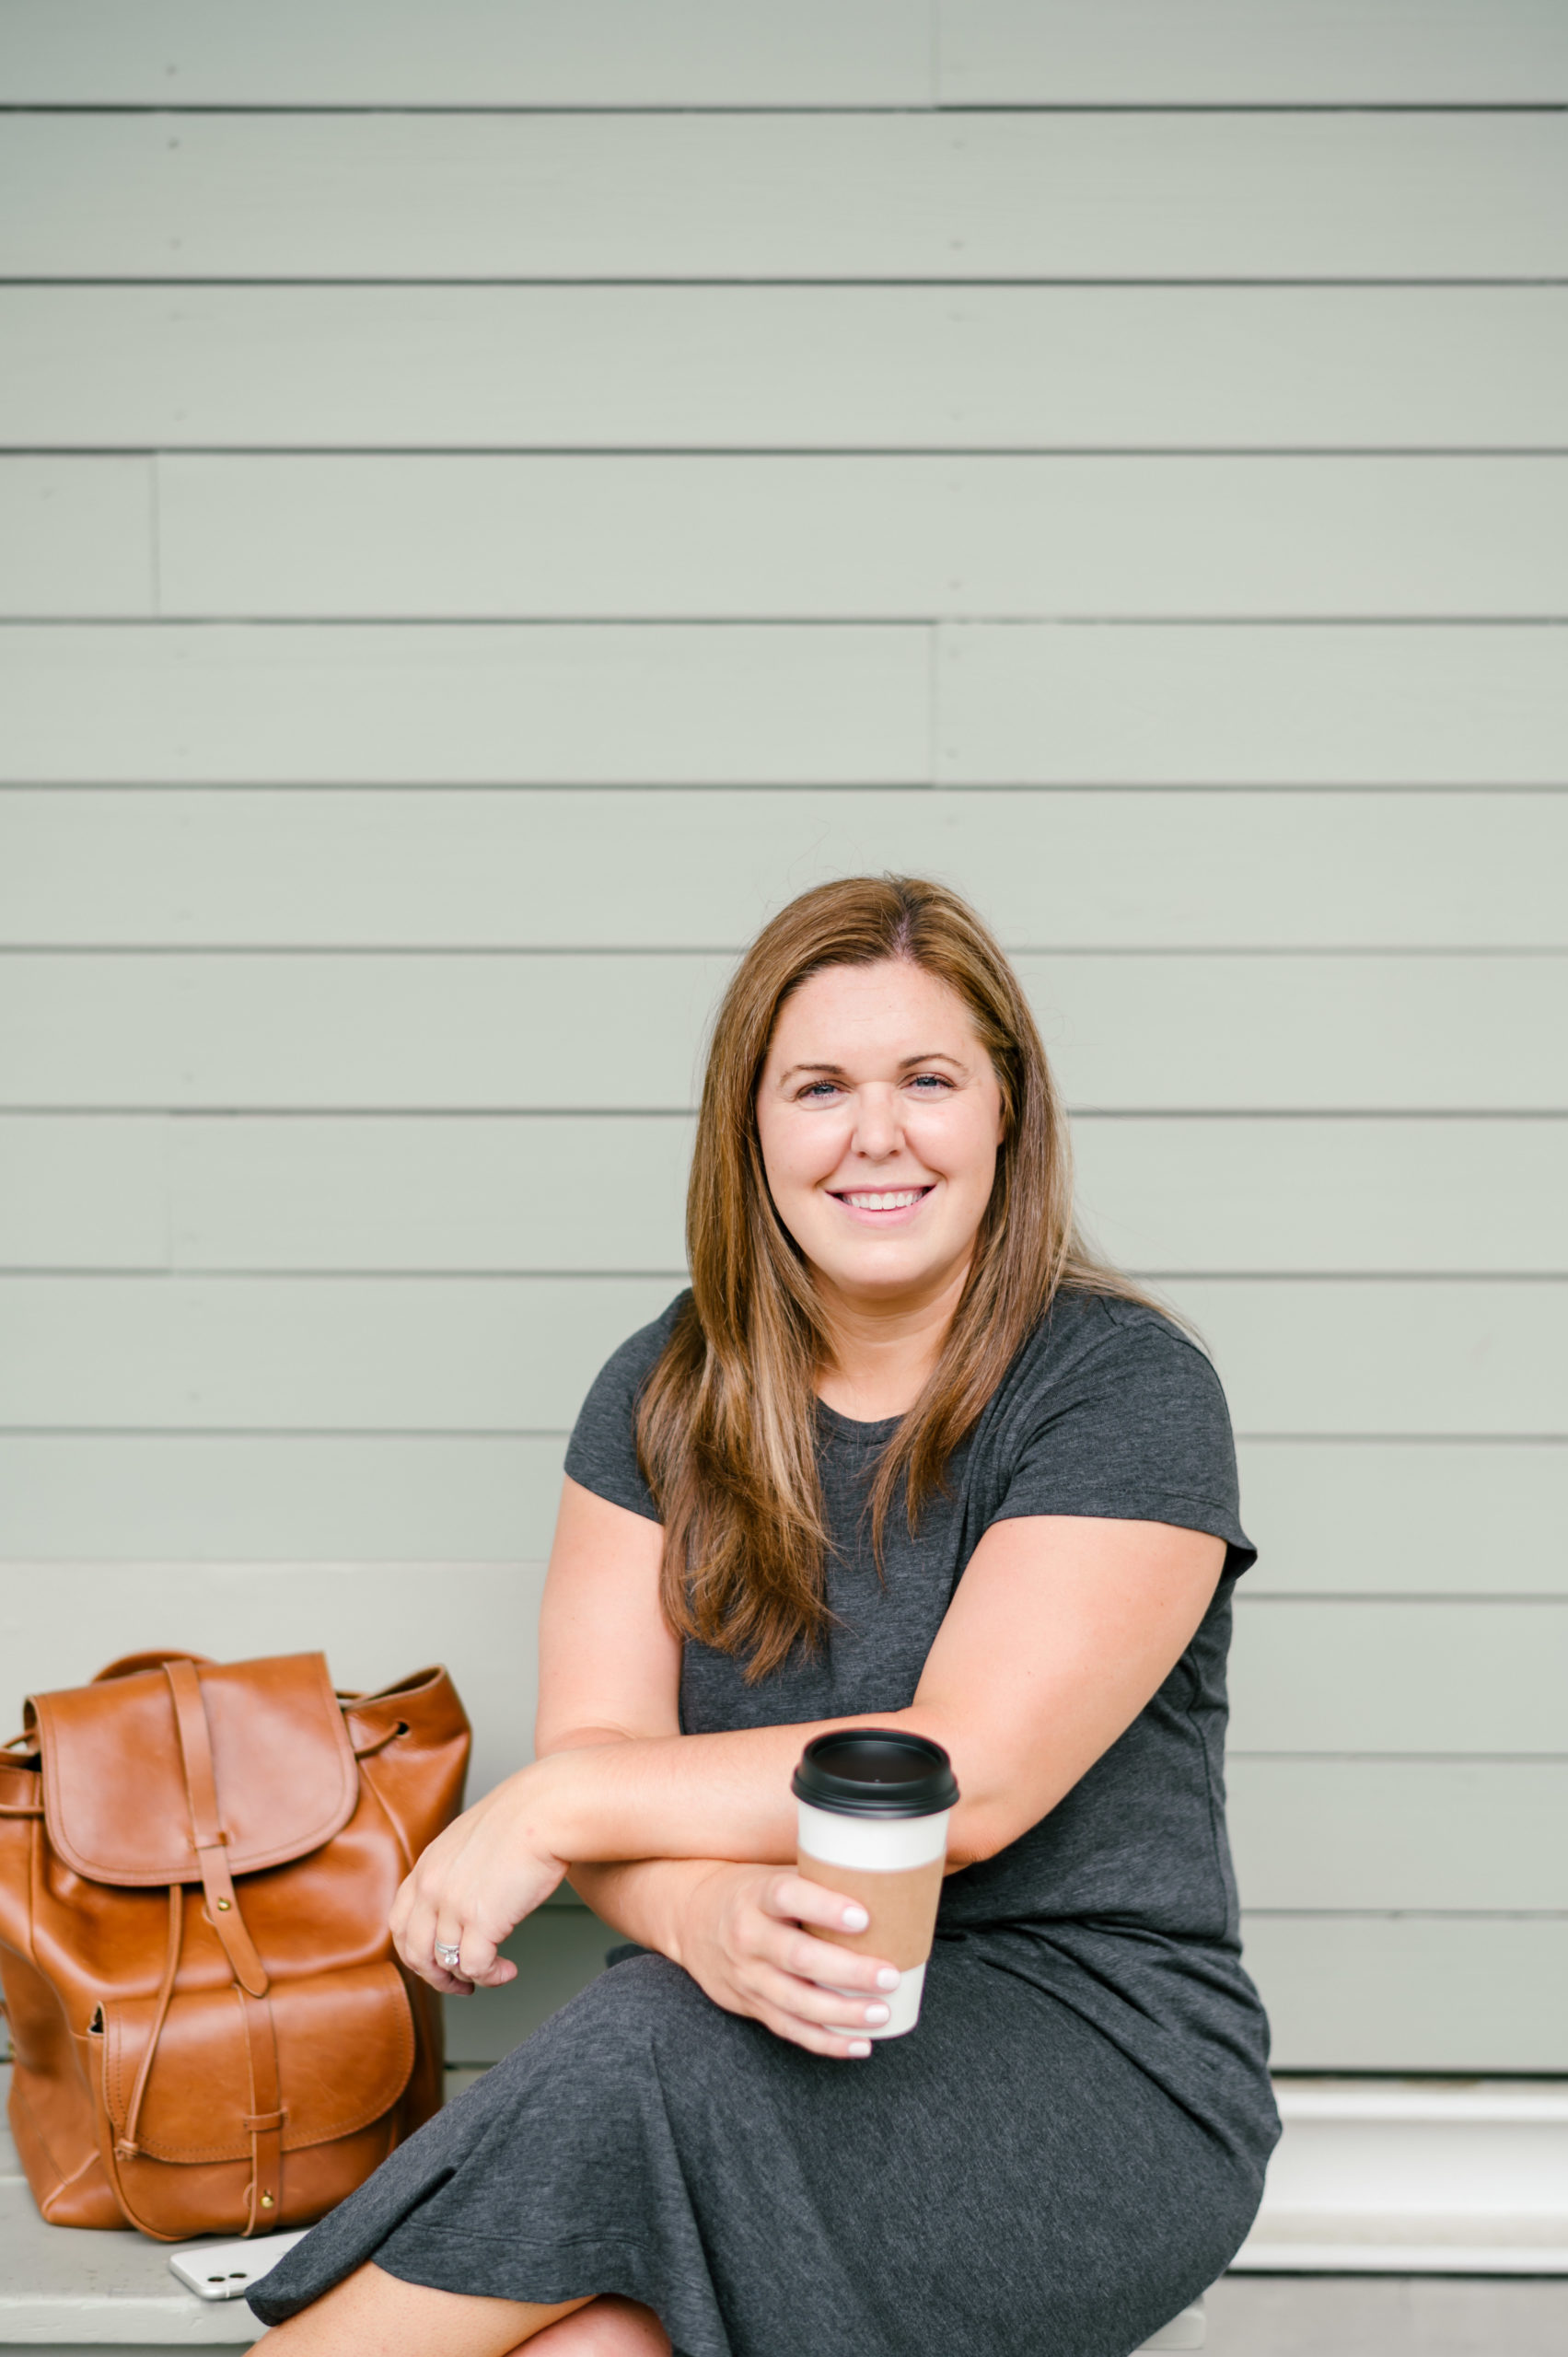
(930, 1084)
(817, 1091)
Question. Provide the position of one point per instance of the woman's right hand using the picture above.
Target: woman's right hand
(744, 1938)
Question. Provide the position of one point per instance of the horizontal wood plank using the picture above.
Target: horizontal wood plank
(462, 870)
(1438, 1836)
(1438, 1357)
(1341, 1517)
(1295, 1196)
(880, 540)
(87, 1194)
(434, 1499)
(605, 1193)
(1280, 1033)
(1300, 705)
(744, 196)
(77, 535)
(329, 1033)
(740, 52)
(1416, 1675)
(787, 368)
(1389, 1992)
(668, 703)
(1237, 53)
(467, 52)
(491, 1354)
(474, 704)
(483, 1354)
(480, 1033)
(1412, 1517)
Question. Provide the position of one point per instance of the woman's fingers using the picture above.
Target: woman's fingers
(805, 1958)
(820, 2008)
(840, 2045)
(415, 1940)
(792, 1899)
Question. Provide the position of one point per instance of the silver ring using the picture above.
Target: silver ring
(446, 1957)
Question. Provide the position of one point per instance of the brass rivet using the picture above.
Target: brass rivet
(266, 2200)
(223, 1907)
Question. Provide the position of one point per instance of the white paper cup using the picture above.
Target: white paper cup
(873, 1808)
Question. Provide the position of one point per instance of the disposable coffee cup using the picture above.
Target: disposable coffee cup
(874, 1807)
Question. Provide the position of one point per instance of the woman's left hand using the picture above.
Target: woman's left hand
(491, 1867)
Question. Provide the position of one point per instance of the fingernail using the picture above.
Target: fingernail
(876, 2013)
(854, 1919)
(861, 2048)
(887, 1978)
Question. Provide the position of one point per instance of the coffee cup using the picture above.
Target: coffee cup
(874, 1805)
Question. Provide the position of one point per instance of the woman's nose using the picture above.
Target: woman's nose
(877, 1133)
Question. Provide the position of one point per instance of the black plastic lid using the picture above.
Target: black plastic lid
(876, 1771)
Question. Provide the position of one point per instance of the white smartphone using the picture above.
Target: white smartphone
(228, 2270)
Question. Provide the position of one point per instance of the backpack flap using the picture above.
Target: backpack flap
(115, 1799)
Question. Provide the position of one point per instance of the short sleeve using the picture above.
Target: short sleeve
(1127, 1422)
(602, 1452)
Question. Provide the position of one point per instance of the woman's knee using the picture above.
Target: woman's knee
(605, 2328)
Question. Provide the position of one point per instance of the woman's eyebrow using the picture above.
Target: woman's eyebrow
(906, 1064)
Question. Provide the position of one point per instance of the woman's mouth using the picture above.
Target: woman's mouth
(884, 1204)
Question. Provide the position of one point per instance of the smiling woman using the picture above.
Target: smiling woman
(904, 1456)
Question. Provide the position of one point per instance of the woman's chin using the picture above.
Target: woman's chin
(888, 1275)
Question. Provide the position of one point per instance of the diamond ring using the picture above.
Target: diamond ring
(446, 1957)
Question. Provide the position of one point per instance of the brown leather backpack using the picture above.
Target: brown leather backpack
(197, 1860)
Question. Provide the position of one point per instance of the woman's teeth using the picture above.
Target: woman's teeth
(897, 1202)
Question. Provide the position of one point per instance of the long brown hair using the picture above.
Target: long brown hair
(726, 1426)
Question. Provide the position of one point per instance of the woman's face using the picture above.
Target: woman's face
(880, 1116)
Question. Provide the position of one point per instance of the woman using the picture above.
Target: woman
(904, 1454)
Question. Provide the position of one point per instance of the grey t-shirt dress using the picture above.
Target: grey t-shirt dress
(1071, 2144)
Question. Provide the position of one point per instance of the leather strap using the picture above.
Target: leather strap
(126, 2146)
(207, 1834)
(265, 2122)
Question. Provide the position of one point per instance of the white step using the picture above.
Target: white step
(1411, 2176)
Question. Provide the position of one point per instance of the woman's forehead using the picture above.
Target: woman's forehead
(873, 1007)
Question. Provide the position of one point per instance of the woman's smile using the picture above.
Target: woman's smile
(883, 1207)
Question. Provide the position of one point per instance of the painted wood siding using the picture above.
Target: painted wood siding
(494, 501)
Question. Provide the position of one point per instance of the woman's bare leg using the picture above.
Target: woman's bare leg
(605, 2328)
(371, 2314)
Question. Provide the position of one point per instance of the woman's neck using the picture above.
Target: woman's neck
(884, 1352)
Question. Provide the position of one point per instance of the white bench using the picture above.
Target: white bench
(66, 2293)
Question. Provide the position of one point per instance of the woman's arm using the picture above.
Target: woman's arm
(1061, 1630)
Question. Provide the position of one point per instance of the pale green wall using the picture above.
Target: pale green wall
(464, 568)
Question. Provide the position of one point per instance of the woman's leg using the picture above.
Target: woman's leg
(371, 2314)
(607, 2327)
